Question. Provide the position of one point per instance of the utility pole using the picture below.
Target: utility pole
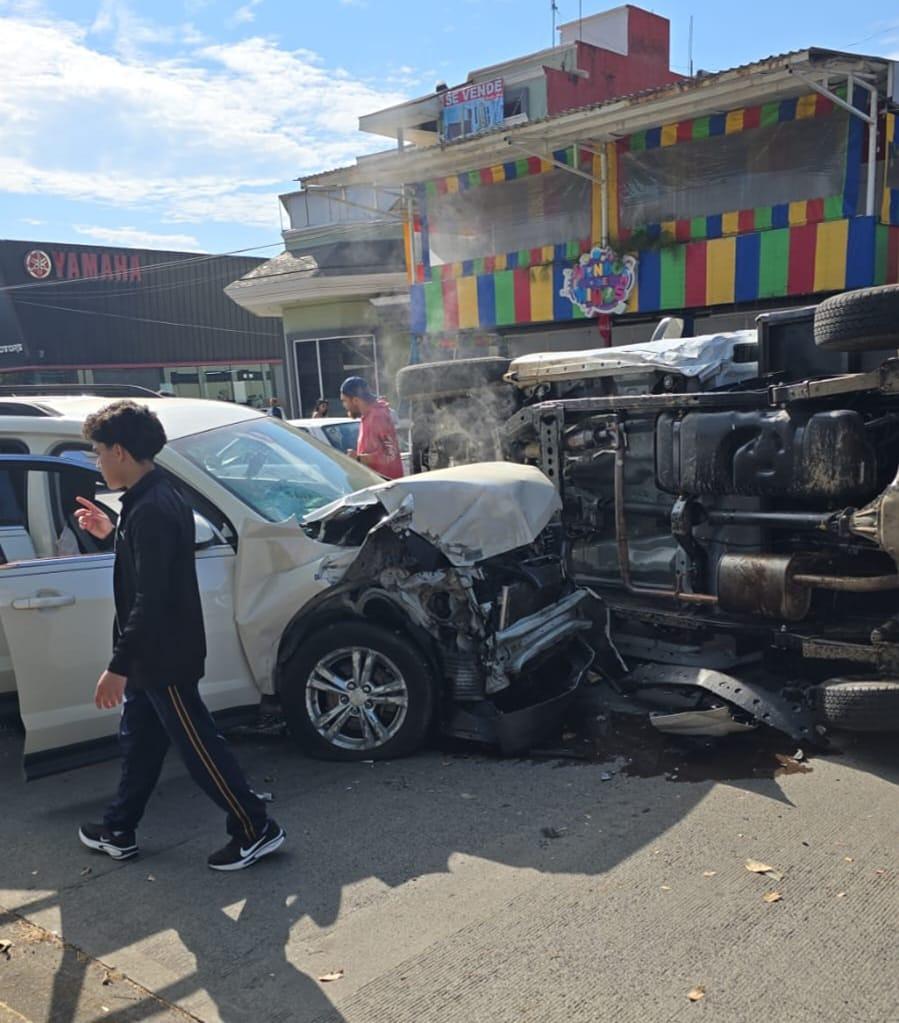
(690, 48)
(554, 7)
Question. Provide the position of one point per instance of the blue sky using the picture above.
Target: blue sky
(175, 124)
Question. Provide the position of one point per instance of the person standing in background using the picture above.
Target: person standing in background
(378, 446)
(274, 408)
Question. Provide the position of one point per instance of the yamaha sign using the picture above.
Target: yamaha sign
(67, 265)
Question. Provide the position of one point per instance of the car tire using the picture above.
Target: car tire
(859, 705)
(459, 376)
(859, 321)
(308, 696)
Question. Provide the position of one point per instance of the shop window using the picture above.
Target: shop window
(767, 166)
(509, 216)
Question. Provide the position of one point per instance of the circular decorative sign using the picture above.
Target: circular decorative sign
(38, 264)
(601, 282)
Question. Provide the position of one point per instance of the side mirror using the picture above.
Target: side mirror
(205, 534)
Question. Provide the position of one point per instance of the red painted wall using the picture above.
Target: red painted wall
(612, 74)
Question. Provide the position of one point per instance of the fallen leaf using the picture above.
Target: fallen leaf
(772, 897)
(756, 867)
(696, 994)
(326, 978)
(709, 873)
(5, 946)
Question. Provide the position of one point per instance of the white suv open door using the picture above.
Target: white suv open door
(56, 614)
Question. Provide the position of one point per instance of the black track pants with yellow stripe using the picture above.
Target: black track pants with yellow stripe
(152, 719)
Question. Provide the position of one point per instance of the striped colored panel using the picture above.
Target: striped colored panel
(467, 298)
(860, 253)
(746, 268)
(720, 268)
(801, 272)
(830, 255)
(450, 305)
(434, 305)
(798, 213)
(649, 276)
(673, 277)
(669, 134)
(486, 301)
(504, 283)
(734, 122)
(522, 286)
(562, 308)
(807, 106)
(418, 314)
(541, 293)
(774, 259)
(695, 274)
(730, 223)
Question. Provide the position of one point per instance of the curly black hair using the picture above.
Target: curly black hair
(134, 426)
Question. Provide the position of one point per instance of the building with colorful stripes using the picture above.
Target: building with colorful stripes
(767, 185)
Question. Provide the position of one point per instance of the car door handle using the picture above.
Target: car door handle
(37, 602)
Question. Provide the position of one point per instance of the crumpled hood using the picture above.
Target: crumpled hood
(470, 513)
(710, 356)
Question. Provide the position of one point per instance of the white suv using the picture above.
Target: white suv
(432, 599)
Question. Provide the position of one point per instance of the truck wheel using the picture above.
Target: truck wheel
(859, 321)
(357, 691)
(459, 376)
(859, 705)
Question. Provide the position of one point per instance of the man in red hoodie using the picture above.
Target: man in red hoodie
(378, 446)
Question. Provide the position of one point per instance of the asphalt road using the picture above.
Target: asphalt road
(457, 887)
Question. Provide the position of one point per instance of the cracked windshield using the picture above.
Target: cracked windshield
(276, 470)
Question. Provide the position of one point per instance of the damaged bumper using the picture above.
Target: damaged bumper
(516, 729)
(518, 645)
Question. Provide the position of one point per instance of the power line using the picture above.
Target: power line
(206, 257)
(145, 319)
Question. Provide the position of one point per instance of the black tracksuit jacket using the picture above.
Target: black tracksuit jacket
(158, 635)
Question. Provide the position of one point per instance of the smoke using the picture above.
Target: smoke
(463, 429)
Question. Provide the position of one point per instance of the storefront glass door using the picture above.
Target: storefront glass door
(322, 364)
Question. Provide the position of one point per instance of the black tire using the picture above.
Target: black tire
(390, 646)
(859, 705)
(459, 376)
(859, 321)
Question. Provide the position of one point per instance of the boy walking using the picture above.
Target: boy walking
(159, 647)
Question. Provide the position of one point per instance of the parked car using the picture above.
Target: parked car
(734, 498)
(432, 601)
(343, 434)
(340, 433)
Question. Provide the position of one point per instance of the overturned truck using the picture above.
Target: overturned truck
(733, 498)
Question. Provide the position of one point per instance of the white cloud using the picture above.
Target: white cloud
(31, 221)
(209, 133)
(245, 14)
(135, 238)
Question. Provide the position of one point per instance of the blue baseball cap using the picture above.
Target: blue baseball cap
(357, 387)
